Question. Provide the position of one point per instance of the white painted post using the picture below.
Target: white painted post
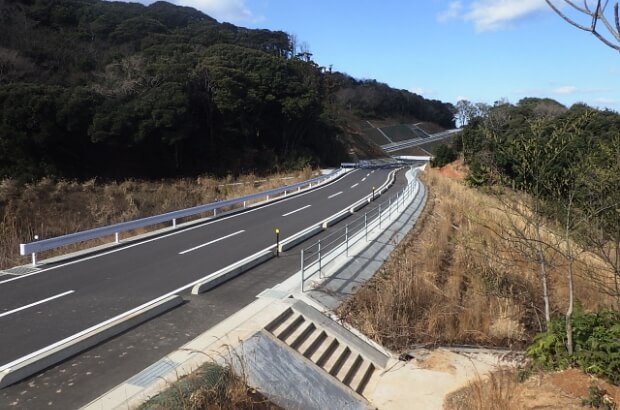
(302, 270)
(320, 262)
(215, 212)
(243, 204)
(116, 237)
(34, 259)
(346, 238)
(174, 222)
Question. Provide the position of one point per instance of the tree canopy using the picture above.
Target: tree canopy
(115, 90)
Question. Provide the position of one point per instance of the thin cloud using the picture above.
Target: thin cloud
(565, 90)
(224, 10)
(493, 15)
(453, 12)
(422, 91)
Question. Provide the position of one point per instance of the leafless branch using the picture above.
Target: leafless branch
(597, 14)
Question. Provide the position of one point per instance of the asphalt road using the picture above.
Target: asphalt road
(40, 309)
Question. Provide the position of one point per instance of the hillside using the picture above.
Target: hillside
(91, 88)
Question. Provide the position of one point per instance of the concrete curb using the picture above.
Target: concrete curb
(231, 271)
(49, 356)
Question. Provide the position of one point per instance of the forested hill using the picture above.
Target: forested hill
(115, 90)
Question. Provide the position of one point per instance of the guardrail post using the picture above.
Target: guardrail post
(215, 212)
(34, 259)
(320, 262)
(346, 238)
(174, 222)
(366, 225)
(116, 238)
(244, 204)
(379, 216)
(267, 197)
(302, 270)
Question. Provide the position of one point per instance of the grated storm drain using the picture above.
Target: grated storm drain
(152, 373)
(20, 270)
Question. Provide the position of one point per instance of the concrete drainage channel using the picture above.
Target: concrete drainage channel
(288, 350)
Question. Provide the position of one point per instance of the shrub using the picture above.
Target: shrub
(596, 337)
(443, 155)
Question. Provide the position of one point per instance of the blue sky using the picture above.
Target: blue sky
(480, 50)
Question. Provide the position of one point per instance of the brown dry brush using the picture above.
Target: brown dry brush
(51, 208)
(455, 280)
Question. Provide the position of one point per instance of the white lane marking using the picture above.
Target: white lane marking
(10, 312)
(297, 210)
(334, 195)
(211, 242)
(354, 185)
(363, 179)
(367, 175)
(179, 232)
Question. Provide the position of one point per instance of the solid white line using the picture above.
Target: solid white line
(354, 185)
(211, 242)
(334, 195)
(10, 312)
(297, 210)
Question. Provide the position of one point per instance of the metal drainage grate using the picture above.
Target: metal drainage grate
(152, 373)
(20, 270)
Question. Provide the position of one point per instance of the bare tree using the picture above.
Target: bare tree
(597, 11)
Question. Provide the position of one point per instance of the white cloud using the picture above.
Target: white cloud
(565, 90)
(493, 15)
(235, 11)
(453, 11)
(422, 91)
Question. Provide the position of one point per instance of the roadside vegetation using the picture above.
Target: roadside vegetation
(210, 387)
(51, 208)
(522, 252)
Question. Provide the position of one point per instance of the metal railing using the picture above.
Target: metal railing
(317, 256)
(115, 229)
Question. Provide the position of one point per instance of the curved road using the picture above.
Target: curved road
(42, 308)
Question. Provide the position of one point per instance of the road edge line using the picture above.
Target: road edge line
(49, 357)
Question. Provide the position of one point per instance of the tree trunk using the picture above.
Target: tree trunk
(569, 274)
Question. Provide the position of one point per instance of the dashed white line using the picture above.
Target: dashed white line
(363, 179)
(10, 312)
(354, 185)
(334, 195)
(297, 210)
(211, 242)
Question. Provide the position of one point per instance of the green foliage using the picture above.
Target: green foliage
(596, 340)
(442, 155)
(597, 398)
(92, 88)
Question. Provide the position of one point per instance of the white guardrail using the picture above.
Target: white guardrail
(46, 244)
(314, 258)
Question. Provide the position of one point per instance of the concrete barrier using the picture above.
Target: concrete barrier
(299, 237)
(229, 272)
(49, 356)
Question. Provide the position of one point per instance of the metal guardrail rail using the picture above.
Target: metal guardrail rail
(315, 257)
(115, 229)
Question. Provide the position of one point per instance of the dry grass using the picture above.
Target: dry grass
(210, 387)
(497, 391)
(454, 280)
(51, 208)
